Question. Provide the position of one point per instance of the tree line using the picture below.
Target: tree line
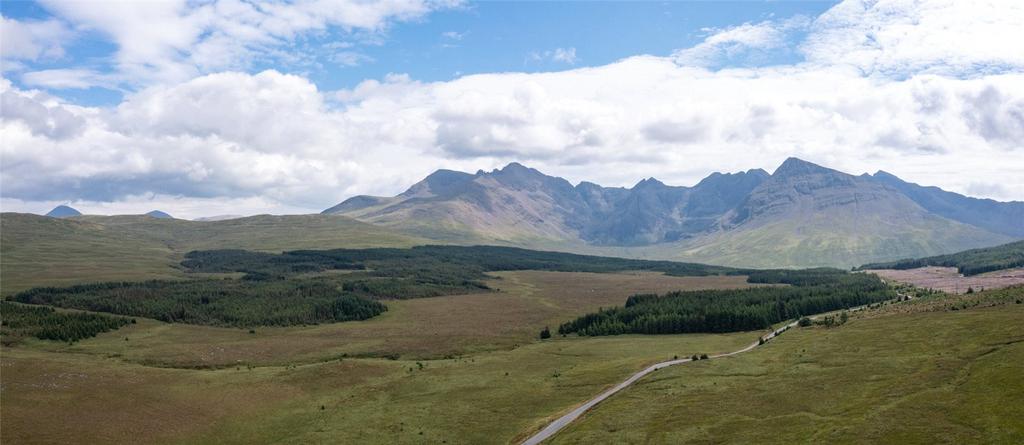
(732, 310)
(968, 262)
(18, 321)
(235, 303)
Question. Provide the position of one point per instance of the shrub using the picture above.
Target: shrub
(545, 333)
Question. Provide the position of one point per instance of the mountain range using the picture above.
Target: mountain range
(802, 214)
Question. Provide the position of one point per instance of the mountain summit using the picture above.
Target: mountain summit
(63, 211)
(802, 214)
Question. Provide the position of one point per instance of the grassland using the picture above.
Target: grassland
(917, 372)
(138, 383)
(418, 329)
(41, 251)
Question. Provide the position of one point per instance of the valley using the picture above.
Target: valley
(484, 376)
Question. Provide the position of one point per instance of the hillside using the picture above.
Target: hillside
(969, 262)
(801, 215)
(37, 250)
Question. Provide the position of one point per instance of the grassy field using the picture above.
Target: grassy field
(41, 251)
(293, 384)
(426, 328)
(916, 372)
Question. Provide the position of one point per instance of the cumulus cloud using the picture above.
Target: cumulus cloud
(748, 40)
(906, 37)
(40, 115)
(32, 39)
(175, 40)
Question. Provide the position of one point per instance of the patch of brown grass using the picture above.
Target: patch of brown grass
(947, 279)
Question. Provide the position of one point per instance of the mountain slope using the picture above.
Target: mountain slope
(808, 215)
(999, 217)
(514, 204)
(521, 205)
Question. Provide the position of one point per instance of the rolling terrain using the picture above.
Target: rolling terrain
(460, 368)
(41, 251)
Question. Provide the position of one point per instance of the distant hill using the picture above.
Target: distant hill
(63, 211)
(969, 262)
(159, 214)
(803, 214)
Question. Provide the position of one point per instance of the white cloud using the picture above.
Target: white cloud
(565, 55)
(32, 40)
(165, 41)
(68, 78)
(903, 37)
(561, 55)
(350, 58)
(728, 43)
(453, 35)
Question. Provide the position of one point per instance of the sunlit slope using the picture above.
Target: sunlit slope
(38, 250)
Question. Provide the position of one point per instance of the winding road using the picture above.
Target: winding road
(565, 420)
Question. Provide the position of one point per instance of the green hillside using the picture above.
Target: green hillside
(39, 251)
(968, 262)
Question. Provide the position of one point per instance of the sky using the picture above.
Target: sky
(202, 108)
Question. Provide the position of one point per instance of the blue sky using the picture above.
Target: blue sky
(241, 107)
(472, 38)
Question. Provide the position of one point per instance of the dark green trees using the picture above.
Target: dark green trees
(236, 303)
(732, 310)
(48, 324)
